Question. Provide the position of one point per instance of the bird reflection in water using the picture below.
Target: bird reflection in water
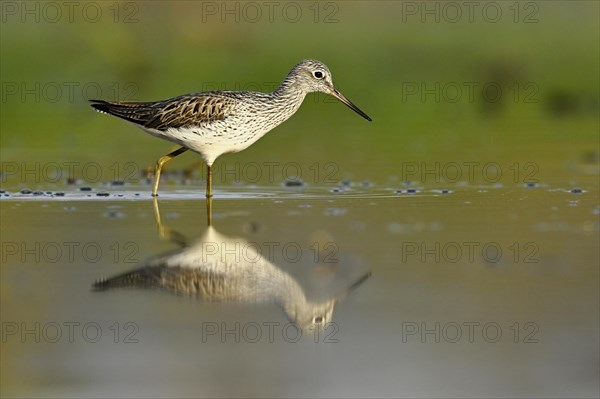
(226, 269)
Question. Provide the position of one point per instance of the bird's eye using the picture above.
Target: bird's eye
(318, 319)
(318, 74)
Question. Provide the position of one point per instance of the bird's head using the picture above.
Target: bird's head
(314, 76)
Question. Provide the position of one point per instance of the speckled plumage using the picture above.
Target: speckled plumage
(217, 122)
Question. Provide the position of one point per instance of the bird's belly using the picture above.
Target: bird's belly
(216, 138)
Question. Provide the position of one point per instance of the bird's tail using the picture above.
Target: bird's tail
(136, 112)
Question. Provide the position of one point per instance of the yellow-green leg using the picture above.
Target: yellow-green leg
(208, 181)
(166, 233)
(209, 211)
(161, 163)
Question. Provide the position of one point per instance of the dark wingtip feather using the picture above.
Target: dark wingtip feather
(138, 113)
(145, 277)
(100, 106)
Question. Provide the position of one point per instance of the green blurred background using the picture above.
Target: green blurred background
(384, 56)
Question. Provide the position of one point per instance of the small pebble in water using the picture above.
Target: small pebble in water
(335, 190)
(114, 215)
(117, 183)
(530, 185)
(102, 194)
(335, 211)
(411, 191)
(85, 189)
(2, 191)
(576, 191)
(293, 183)
(49, 192)
(38, 193)
(252, 227)
(445, 191)
(25, 191)
(59, 194)
(137, 194)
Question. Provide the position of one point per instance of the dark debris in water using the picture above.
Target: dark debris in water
(335, 211)
(293, 183)
(25, 191)
(576, 191)
(407, 191)
(114, 214)
(117, 183)
(102, 194)
(85, 189)
(530, 185)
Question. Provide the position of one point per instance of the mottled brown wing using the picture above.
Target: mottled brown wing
(176, 279)
(191, 110)
(186, 110)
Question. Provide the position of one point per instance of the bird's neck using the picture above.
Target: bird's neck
(288, 96)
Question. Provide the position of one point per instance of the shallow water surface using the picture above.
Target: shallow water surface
(494, 285)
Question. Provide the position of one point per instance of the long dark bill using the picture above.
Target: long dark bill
(353, 107)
